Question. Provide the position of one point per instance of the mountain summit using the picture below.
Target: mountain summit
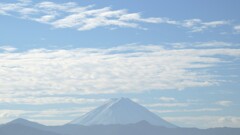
(24, 122)
(120, 111)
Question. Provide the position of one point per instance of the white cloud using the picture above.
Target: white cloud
(208, 44)
(124, 69)
(167, 99)
(48, 5)
(213, 44)
(168, 105)
(237, 28)
(45, 18)
(8, 48)
(187, 110)
(197, 25)
(4, 114)
(209, 121)
(215, 23)
(71, 15)
(224, 103)
(71, 113)
(48, 100)
(51, 122)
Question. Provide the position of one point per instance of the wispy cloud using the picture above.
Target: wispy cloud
(57, 113)
(5, 114)
(166, 99)
(210, 121)
(208, 44)
(237, 28)
(214, 44)
(48, 100)
(224, 103)
(71, 15)
(168, 105)
(7, 48)
(197, 25)
(188, 110)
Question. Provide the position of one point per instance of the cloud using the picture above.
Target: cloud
(50, 122)
(8, 48)
(48, 100)
(215, 23)
(167, 99)
(10, 113)
(45, 18)
(208, 44)
(124, 69)
(57, 114)
(210, 121)
(224, 103)
(213, 44)
(197, 25)
(168, 105)
(71, 15)
(188, 110)
(237, 28)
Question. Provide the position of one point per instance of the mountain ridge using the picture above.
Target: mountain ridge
(140, 128)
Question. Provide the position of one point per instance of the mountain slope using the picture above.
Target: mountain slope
(120, 111)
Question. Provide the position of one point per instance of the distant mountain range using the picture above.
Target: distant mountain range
(116, 117)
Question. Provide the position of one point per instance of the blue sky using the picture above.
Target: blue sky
(179, 59)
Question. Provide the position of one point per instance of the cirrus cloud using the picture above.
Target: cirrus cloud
(72, 15)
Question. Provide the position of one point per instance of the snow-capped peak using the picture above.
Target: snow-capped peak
(120, 111)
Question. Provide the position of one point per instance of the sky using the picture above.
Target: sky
(179, 59)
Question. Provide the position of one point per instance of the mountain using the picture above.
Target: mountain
(18, 127)
(24, 122)
(140, 128)
(116, 117)
(25, 127)
(120, 111)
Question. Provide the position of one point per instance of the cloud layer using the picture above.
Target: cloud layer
(123, 69)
